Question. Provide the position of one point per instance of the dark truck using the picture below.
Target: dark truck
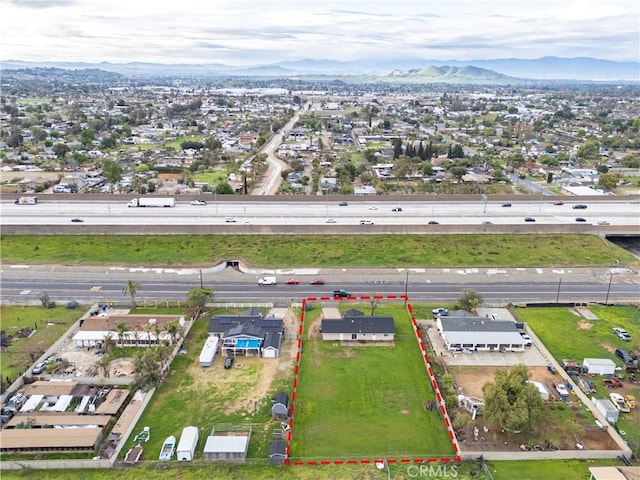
(341, 294)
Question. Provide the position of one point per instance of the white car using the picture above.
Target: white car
(198, 202)
(373, 208)
(331, 220)
(443, 312)
(527, 340)
(562, 390)
(366, 222)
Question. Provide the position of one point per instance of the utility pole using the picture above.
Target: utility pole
(201, 285)
(606, 301)
(559, 284)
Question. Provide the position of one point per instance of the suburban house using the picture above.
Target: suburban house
(248, 333)
(355, 325)
(139, 330)
(280, 407)
(479, 333)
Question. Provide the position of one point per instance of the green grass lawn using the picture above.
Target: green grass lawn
(50, 324)
(211, 178)
(366, 401)
(184, 138)
(316, 250)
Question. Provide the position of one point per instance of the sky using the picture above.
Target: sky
(241, 32)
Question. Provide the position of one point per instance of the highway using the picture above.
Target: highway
(116, 212)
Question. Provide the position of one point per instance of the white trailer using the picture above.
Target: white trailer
(267, 281)
(599, 366)
(607, 409)
(187, 444)
(152, 202)
(209, 351)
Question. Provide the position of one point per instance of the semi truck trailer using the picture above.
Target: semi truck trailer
(152, 202)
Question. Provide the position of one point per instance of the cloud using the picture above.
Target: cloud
(40, 4)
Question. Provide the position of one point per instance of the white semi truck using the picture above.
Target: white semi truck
(152, 202)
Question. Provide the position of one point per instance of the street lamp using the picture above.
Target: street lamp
(484, 199)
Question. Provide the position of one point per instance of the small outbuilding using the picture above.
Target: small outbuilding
(607, 409)
(278, 452)
(209, 351)
(599, 366)
(280, 408)
(228, 443)
(542, 390)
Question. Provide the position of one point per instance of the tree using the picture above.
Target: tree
(131, 288)
(197, 299)
(148, 370)
(470, 299)
(104, 364)
(458, 171)
(589, 150)
(107, 342)
(61, 149)
(107, 143)
(45, 300)
(121, 327)
(608, 181)
(112, 171)
(510, 401)
(374, 303)
(173, 329)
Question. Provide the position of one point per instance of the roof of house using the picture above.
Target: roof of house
(277, 447)
(359, 324)
(251, 323)
(272, 339)
(282, 398)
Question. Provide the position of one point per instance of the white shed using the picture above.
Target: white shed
(599, 366)
(607, 409)
(544, 393)
(187, 444)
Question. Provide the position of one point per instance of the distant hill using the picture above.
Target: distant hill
(415, 69)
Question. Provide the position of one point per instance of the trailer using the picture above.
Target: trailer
(187, 445)
(599, 366)
(27, 201)
(209, 351)
(152, 202)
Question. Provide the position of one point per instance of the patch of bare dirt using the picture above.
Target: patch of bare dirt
(584, 325)
(121, 367)
(608, 347)
(470, 380)
(313, 332)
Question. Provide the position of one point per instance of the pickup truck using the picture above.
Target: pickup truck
(341, 294)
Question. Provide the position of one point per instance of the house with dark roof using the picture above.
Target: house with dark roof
(248, 333)
(355, 325)
(479, 333)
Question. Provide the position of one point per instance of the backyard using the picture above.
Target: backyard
(366, 401)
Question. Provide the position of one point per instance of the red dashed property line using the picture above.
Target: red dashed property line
(434, 384)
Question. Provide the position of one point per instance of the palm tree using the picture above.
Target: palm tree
(103, 364)
(173, 329)
(121, 328)
(131, 288)
(107, 342)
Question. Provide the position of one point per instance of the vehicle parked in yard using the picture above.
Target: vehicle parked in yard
(440, 312)
(611, 382)
(291, 281)
(316, 281)
(623, 355)
(228, 362)
(562, 389)
(38, 368)
(622, 333)
(630, 400)
(619, 403)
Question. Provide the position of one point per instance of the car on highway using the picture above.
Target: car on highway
(343, 204)
(373, 208)
(486, 222)
(558, 203)
(562, 390)
(529, 219)
(581, 219)
(396, 209)
(433, 222)
(198, 202)
(331, 220)
(341, 293)
(316, 281)
(366, 222)
(603, 222)
(579, 207)
(291, 281)
(230, 219)
(440, 312)
(77, 220)
(506, 204)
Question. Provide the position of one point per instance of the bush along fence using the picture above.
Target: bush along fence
(382, 460)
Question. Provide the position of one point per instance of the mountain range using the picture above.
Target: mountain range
(506, 70)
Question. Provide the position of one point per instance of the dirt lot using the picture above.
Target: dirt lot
(471, 379)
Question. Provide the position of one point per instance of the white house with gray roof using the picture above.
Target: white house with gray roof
(479, 333)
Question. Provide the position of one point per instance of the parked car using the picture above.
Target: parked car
(72, 304)
(529, 219)
(622, 333)
(396, 209)
(228, 362)
(198, 202)
(292, 281)
(562, 390)
(581, 219)
(579, 206)
(506, 204)
(527, 339)
(440, 312)
(630, 400)
(38, 368)
(316, 281)
(619, 403)
(623, 355)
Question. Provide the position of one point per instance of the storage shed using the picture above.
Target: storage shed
(187, 444)
(599, 366)
(607, 409)
(278, 452)
(209, 351)
(542, 390)
(280, 408)
(228, 443)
